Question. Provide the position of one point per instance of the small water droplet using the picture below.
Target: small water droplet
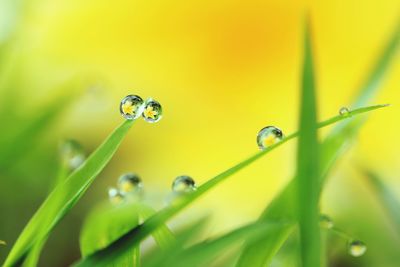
(130, 183)
(325, 221)
(72, 154)
(131, 107)
(268, 136)
(183, 184)
(357, 248)
(152, 111)
(115, 196)
(344, 111)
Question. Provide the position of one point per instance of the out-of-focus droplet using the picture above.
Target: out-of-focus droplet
(72, 154)
(357, 248)
(131, 107)
(152, 111)
(183, 184)
(344, 111)
(325, 221)
(130, 183)
(268, 136)
(115, 196)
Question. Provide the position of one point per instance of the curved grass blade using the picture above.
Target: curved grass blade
(386, 196)
(336, 143)
(142, 231)
(204, 253)
(307, 183)
(65, 196)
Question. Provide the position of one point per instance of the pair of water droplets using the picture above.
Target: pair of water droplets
(355, 247)
(130, 186)
(133, 106)
(271, 135)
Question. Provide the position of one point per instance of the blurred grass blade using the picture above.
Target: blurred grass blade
(206, 252)
(105, 224)
(136, 235)
(386, 196)
(3, 242)
(65, 196)
(162, 235)
(336, 143)
(307, 163)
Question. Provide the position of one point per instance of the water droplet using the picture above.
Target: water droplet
(152, 111)
(344, 111)
(357, 248)
(183, 184)
(72, 154)
(131, 107)
(130, 183)
(268, 136)
(115, 196)
(325, 221)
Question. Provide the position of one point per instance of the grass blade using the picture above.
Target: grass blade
(142, 231)
(65, 196)
(386, 196)
(307, 163)
(332, 147)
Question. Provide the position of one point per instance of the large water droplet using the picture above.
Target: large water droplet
(131, 107)
(357, 248)
(115, 196)
(72, 154)
(344, 111)
(130, 183)
(268, 136)
(152, 111)
(325, 221)
(183, 184)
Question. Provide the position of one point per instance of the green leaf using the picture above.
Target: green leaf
(65, 196)
(142, 231)
(204, 253)
(336, 143)
(386, 196)
(107, 223)
(307, 163)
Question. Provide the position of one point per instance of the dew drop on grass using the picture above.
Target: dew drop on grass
(152, 111)
(130, 183)
(356, 248)
(131, 107)
(72, 154)
(268, 136)
(325, 221)
(344, 111)
(115, 196)
(183, 184)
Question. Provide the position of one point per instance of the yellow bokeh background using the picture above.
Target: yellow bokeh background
(222, 71)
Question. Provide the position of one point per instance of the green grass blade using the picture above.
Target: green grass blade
(204, 253)
(105, 224)
(162, 235)
(332, 147)
(386, 196)
(65, 196)
(307, 163)
(3, 243)
(139, 233)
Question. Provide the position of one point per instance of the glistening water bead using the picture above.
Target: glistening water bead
(115, 196)
(129, 183)
(152, 111)
(325, 221)
(344, 111)
(183, 184)
(131, 107)
(357, 248)
(72, 154)
(268, 136)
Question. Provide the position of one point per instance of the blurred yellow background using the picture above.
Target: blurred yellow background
(222, 70)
